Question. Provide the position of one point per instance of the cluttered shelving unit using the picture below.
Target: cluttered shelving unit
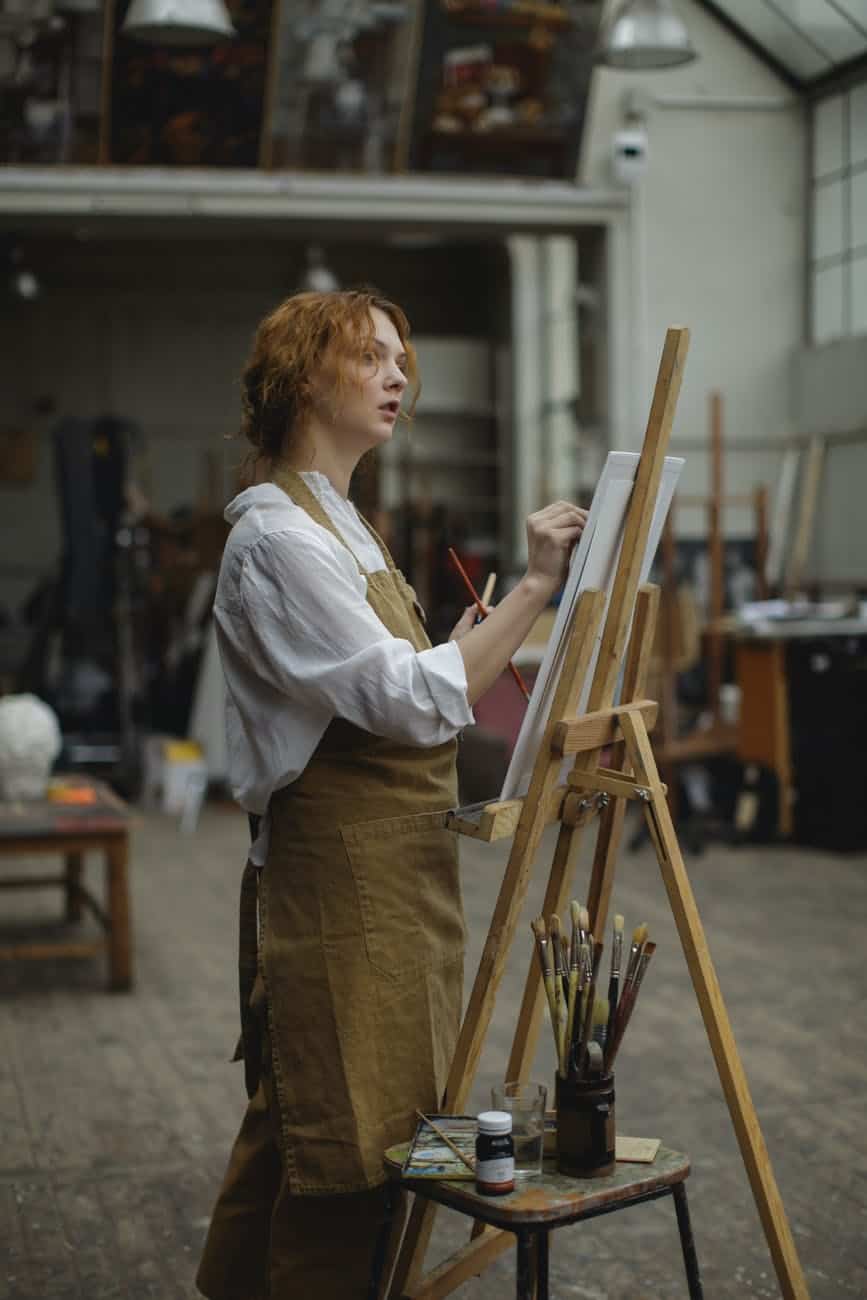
(487, 94)
(388, 86)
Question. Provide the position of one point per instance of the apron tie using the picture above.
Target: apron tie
(249, 1047)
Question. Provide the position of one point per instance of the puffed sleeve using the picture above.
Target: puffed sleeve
(314, 637)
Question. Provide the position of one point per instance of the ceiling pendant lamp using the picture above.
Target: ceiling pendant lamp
(178, 22)
(645, 34)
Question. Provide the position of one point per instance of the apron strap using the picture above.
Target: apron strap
(249, 1048)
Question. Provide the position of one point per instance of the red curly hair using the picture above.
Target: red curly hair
(290, 346)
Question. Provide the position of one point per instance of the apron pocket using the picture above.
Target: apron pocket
(407, 881)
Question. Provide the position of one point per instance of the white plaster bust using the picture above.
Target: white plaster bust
(29, 743)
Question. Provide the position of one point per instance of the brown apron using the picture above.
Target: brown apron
(361, 940)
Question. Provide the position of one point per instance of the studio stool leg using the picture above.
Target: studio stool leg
(690, 1258)
(541, 1266)
(526, 1273)
(392, 1196)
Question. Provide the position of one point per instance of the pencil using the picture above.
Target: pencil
(445, 1138)
(483, 611)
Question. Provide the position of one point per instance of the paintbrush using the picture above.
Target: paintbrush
(639, 938)
(558, 948)
(599, 1023)
(639, 935)
(580, 1003)
(561, 987)
(543, 950)
(484, 611)
(488, 590)
(444, 1137)
(574, 996)
(627, 1003)
(575, 942)
(595, 1059)
(584, 924)
(614, 979)
(591, 1002)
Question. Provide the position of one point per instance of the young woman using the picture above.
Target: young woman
(341, 724)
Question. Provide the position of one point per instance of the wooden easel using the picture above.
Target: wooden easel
(592, 789)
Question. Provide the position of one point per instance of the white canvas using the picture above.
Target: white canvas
(593, 566)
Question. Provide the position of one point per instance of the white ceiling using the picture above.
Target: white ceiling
(809, 39)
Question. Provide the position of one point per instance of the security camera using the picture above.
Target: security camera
(629, 154)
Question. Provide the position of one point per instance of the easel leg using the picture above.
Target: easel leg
(731, 1073)
(611, 824)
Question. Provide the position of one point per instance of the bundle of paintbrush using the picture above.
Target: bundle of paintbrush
(588, 1028)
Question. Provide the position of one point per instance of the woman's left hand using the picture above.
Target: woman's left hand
(464, 624)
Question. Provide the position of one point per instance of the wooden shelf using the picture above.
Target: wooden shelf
(498, 138)
(525, 14)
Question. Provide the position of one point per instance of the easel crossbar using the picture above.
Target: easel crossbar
(599, 729)
(609, 782)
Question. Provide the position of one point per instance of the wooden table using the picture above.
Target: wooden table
(553, 1200)
(43, 826)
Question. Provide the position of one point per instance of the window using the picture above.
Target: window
(838, 244)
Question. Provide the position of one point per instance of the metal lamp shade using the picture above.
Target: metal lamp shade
(645, 34)
(178, 22)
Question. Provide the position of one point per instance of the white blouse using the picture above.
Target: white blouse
(300, 645)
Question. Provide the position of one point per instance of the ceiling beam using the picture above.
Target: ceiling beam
(744, 37)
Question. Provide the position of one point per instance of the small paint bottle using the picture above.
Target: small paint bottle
(495, 1153)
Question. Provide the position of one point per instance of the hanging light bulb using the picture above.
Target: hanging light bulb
(178, 22)
(21, 281)
(318, 277)
(645, 34)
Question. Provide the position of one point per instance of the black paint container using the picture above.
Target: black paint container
(585, 1126)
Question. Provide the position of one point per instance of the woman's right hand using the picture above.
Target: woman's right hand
(551, 534)
(487, 648)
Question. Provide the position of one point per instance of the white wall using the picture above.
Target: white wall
(715, 241)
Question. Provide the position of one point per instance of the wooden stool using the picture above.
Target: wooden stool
(552, 1201)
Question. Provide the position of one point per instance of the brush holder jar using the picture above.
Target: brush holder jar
(585, 1126)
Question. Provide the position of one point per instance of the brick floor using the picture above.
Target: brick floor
(116, 1111)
